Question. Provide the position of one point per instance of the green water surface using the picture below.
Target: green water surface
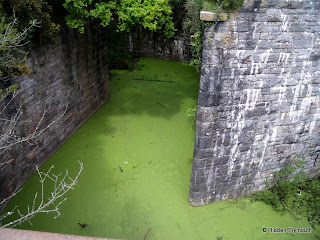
(144, 130)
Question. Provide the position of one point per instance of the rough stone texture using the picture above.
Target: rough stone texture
(259, 99)
(213, 17)
(69, 75)
(154, 44)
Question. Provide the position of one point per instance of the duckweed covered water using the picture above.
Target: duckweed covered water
(143, 130)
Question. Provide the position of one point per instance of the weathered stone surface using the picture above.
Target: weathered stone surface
(264, 91)
(13, 234)
(68, 79)
(142, 42)
(213, 17)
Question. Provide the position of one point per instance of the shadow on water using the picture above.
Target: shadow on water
(155, 88)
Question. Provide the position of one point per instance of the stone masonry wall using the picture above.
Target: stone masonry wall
(259, 98)
(69, 77)
(154, 44)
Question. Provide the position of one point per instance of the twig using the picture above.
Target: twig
(61, 187)
(8, 138)
(161, 104)
(145, 236)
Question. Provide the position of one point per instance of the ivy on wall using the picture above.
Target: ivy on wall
(194, 26)
(222, 5)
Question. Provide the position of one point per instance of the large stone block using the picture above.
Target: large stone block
(213, 17)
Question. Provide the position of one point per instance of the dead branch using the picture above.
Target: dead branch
(62, 185)
(8, 135)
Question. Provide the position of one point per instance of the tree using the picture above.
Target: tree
(62, 185)
(12, 58)
(33, 10)
(151, 14)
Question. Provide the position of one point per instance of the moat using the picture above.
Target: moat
(137, 154)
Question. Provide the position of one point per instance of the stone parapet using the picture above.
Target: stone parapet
(17, 234)
(213, 17)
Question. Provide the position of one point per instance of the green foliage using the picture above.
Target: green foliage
(192, 113)
(178, 12)
(291, 192)
(193, 27)
(118, 55)
(12, 58)
(20, 21)
(196, 44)
(151, 14)
(33, 10)
(209, 6)
(5, 92)
(222, 5)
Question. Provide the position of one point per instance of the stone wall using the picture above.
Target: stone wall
(259, 98)
(156, 45)
(68, 79)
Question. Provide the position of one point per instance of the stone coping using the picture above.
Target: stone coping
(17, 234)
(213, 17)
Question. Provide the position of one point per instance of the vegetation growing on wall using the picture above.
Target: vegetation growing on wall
(20, 21)
(32, 10)
(292, 193)
(18, 24)
(192, 114)
(123, 15)
(178, 12)
(120, 17)
(222, 5)
(194, 26)
(118, 55)
(12, 58)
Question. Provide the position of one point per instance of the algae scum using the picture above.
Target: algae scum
(137, 154)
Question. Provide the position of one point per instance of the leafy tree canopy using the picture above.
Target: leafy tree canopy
(32, 10)
(151, 14)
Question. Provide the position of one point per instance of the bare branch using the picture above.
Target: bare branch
(5, 163)
(8, 137)
(10, 41)
(8, 198)
(61, 187)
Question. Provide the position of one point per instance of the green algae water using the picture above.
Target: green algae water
(137, 154)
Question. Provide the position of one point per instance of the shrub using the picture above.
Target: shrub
(192, 113)
(292, 192)
(33, 10)
(194, 26)
(226, 5)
